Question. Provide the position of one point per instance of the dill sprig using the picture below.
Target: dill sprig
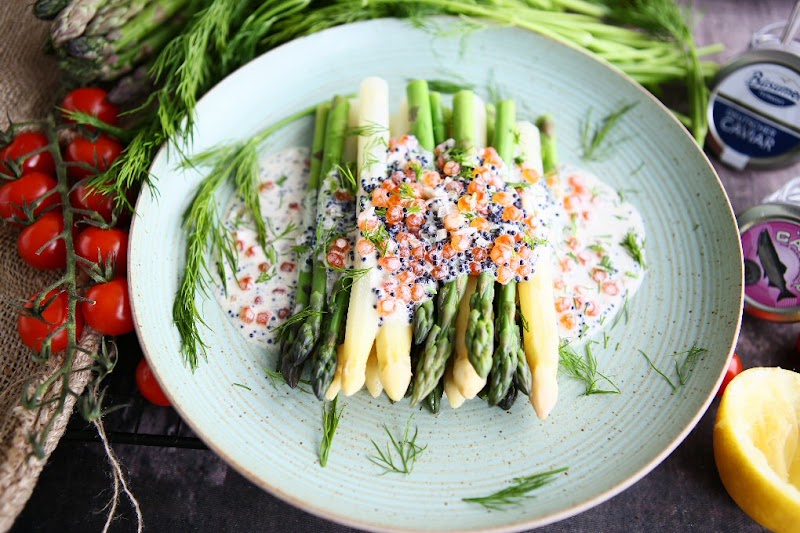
(685, 362)
(330, 421)
(406, 449)
(584, 369)
(205, 231)
(634, 247)
(518, 492)
(594, 137)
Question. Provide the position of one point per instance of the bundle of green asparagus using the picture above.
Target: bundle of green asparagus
(103, 40)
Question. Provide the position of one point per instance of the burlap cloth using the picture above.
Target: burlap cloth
(28, 85)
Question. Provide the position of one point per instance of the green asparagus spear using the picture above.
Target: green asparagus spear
(433, 401)
(422, 126)
(506, 352)
(48, 9)
(522, 377)
(308, 333)
(290, 371)
(510, 397)
(323, 362)
(114, 15)
(480, 325)
(548, 142)
(72, 21)
(419, 113)
(439, 344)
(504, 362)
(437, 118)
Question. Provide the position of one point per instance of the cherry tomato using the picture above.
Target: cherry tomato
(98, 154)
(92, 101)
(148, 385)
(25, 191)
(38, 246)
(33, 330)
(734, 369)
(109, 308)
(107, 243)
(19, 151)
(82, 198)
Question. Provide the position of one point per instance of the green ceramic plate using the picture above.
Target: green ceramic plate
(692, 295)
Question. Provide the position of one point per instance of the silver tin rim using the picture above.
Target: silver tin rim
(780, 57)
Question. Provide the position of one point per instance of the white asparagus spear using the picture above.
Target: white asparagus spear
(393, 347)
(373, 376)
(454, 396)
(362, 317)
(536, 301)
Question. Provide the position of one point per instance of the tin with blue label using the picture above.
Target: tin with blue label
(754, 106)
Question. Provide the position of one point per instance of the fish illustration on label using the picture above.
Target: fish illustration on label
(774, 269)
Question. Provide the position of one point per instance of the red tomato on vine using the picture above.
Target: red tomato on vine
(23, 192)
(106, 244)
(92, 101)
(108, 309)
(94, 155)
(27, 153)
(39, 244)
(35, 325)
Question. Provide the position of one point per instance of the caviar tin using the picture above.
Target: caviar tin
(770, 236)
(754, 105)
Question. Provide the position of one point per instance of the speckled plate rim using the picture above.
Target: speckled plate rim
(349, 520)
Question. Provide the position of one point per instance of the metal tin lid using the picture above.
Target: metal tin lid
(754, 110)
(770, 235)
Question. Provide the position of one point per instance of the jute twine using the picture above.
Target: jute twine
(27, 91)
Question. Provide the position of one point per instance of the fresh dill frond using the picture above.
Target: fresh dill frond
(634, 247)
(296, 318)
(515, 494)
(350, 275)
(275, 377)
(659, 371)
(594, 136)
(519, 184)
(683, 367)
(367, 130)
(237, 162)
(606, 264)
(406, 449)
(330, 421)
(584, 369)
(690, 359)
(245, 387)
(347, 178)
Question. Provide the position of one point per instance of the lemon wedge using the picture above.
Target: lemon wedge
(757, 446)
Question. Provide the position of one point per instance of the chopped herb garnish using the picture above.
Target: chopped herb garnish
(412, 209)
(245, 387)
(606, 264)
(407, 450)
(330, 421)
(635, 248)
(280, 181)
(266, 276)
(683, 368)
(301, 249)
(379, 237)
(380, 211)
(518, 492)
(594, 136)
(584, 369)
(518, 184)
(407, 192)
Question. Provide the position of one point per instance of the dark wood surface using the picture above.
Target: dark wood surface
(194, 490)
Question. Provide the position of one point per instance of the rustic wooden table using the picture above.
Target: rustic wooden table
(194, 490)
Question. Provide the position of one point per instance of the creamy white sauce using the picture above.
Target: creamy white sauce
(581, 217)
(258, 297)
(594, 274)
